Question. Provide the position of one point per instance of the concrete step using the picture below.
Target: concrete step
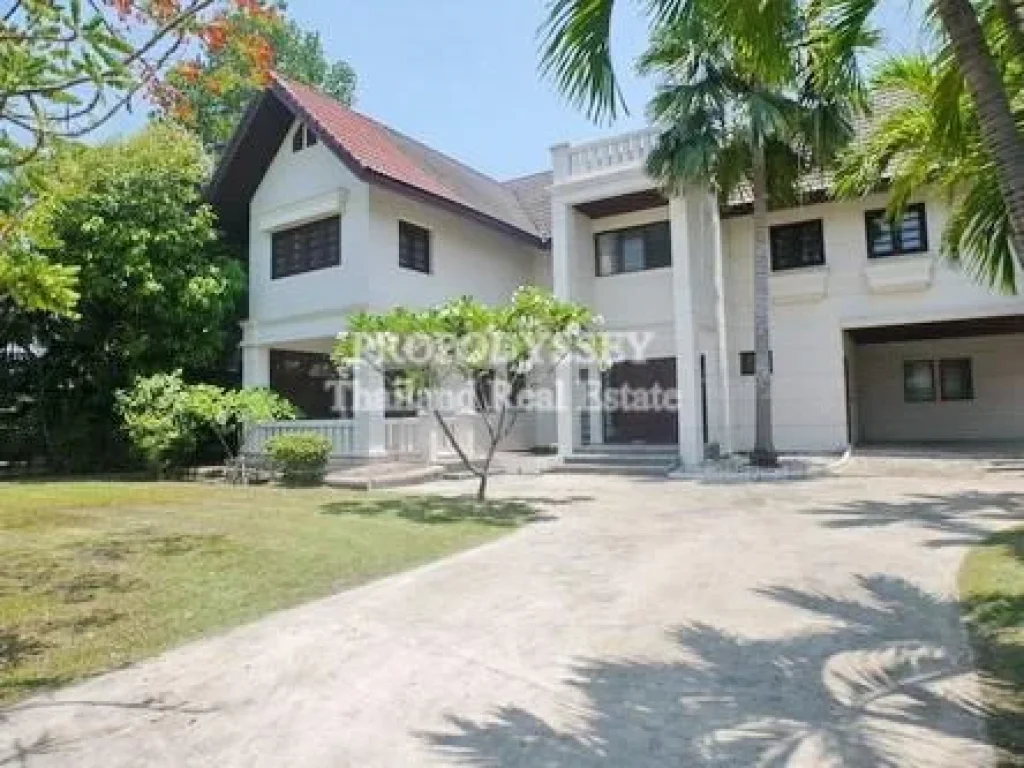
(628, 449)
(622, 459)
(373, 478)
(656, 469)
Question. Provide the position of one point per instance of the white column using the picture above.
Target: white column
(368, 410)
(684, 215)
(724, 384)
(562, 249)
(255, 366)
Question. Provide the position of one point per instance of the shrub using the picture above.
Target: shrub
(301, 458)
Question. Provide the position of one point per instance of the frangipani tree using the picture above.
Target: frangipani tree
(467, 344)
(749, 127)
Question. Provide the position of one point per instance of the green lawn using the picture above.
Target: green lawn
(992, 588)
(96, 575)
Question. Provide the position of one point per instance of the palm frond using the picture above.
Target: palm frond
(575, 44)
(977, 236)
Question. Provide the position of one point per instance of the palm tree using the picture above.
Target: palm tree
(932, 137)
(732, 123)
(577, 53)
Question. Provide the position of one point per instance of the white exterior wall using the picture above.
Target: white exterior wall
(299, 187)
(812, 307)
(710, 302)
(996, 412)
(307, 311)
(632, 301)
(467, 259)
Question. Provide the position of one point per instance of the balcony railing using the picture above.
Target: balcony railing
(629, 150)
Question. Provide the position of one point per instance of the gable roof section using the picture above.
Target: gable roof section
(372, 151)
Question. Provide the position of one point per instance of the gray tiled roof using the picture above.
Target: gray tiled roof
(533, 194)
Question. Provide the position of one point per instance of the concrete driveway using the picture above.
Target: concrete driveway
(646, 623)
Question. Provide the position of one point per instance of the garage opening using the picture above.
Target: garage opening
(945, 382)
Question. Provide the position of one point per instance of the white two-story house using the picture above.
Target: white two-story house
(875, 339)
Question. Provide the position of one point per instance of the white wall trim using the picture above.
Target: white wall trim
(302, 211)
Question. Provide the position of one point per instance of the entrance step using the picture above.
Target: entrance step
(623, 459)
(640, 460)
(382, 475)
(638, 470)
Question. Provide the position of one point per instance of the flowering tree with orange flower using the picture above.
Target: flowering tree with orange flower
(69, 66)
(209, 93)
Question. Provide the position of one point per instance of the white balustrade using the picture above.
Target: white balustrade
(604, 155)
(402, 437)
(340, 433)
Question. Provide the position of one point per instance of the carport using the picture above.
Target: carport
(957, 382)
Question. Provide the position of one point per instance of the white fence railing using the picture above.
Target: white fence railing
(341, 434)
(413, 438)
(403, 437)
(608, 154)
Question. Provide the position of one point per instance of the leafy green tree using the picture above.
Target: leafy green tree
(166, 418)
(466, 343)
(210, 94)
(577, 54)
(66, 68)
(157, 288)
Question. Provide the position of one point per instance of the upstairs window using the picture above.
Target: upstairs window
(302, 138)
(413, 247)
(886, 238)
(797, 245)
(306, 248)
(634, 249)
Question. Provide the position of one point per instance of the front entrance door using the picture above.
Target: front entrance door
(629, 417)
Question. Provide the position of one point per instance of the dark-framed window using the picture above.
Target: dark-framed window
(927, 381)
(748, 363)
(919, 381)
(413, 247)
(303, 378)
(908, 235)
(633, 249)
(305, 248)
(302, 137)
(956, 379)
(797, 245)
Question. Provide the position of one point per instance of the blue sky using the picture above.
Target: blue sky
(461, 75)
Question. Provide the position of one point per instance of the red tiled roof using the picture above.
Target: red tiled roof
(368, 146)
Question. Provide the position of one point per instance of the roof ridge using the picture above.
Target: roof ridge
(288, 82)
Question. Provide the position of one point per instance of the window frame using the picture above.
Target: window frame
(416, 230)
(751, 356)
(947, 362)
(331, 225)
(303, 137)
(777, 230)
(908, 366)
(896, 236)
(618, 257)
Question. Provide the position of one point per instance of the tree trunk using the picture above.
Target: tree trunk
(764, 445)
(998, 128)
(481, 489)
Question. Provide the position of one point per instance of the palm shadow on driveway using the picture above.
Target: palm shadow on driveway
(875, 681)
(960, 519)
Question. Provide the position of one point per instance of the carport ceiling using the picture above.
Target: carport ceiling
(948, 329)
